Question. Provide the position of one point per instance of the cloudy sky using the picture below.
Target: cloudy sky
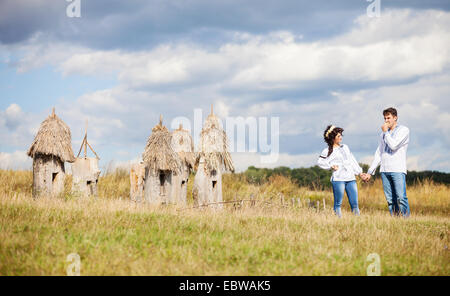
(308, 63)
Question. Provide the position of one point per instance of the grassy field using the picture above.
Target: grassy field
(114, 236)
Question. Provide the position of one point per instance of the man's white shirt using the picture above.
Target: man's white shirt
(344, 159)
(391, 151)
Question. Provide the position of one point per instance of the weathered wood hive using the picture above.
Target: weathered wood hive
(51, 148)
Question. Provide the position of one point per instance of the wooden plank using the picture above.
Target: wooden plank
(82, 143)
(92, 150)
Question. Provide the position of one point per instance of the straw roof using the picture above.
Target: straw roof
(183, 145)
(214, 145)
(53, 138)
(158, 153)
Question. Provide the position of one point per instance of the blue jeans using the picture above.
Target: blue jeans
(394, 186)
(352, 193)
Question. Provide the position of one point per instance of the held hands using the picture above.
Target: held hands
(365, 177)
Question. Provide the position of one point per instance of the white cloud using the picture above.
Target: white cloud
(422, 105)
(15, 160)
(105, 100)
(279, 60)
(120, 165)
(13, 115)
(35, 54)
(427, 160)
(173, 79)
(221, 109)
(394, 25)
(17, 128)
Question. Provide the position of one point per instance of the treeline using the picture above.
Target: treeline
(317, 178)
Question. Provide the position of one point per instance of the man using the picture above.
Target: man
(391, 154)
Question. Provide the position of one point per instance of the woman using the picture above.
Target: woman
(344, 165)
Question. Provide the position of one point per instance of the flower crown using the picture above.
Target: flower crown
(329, 131)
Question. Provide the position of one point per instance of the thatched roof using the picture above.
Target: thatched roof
(183, 145)
(53, 138)
(214, 145)
(158, 153)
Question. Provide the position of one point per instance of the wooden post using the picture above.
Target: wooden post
(324, 204)
(85, 144)
(92, 150)
(81, 148)
(298, 201)
(318, 206)
(85, 140)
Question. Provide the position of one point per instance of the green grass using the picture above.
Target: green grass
(117, 237)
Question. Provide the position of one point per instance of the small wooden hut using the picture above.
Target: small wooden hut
(161, 163)
(85, 171)
(183, 145)
(51, 147)
(212, 160)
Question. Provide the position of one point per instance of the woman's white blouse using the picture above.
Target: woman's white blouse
(344, 159)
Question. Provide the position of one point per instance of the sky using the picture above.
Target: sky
(307, 64)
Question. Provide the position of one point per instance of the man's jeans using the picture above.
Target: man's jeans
(352, 193)
(394, 186)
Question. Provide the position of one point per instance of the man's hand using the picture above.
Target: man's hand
(384, 127)
(365, 177)
(334, 167)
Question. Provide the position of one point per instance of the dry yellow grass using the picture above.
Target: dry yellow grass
(118, 237)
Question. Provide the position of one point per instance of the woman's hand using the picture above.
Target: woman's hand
(334, 167)
(365, 177)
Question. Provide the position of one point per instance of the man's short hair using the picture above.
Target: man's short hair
(391, 111)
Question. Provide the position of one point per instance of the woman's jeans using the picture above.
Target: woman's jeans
(352, 193)
(394, 186)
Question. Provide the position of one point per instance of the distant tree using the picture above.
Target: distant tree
(317, 178)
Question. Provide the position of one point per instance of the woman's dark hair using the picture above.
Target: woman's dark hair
(329, 136)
